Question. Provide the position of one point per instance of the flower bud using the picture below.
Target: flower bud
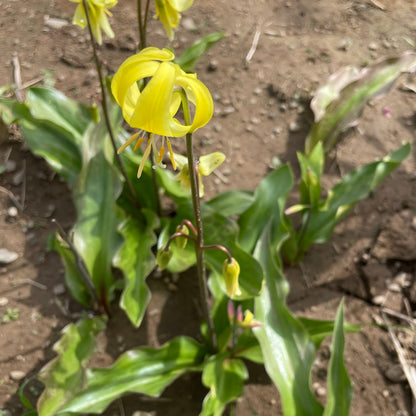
(163, 257)
(231, 271)
(249, 321)
(181, 241)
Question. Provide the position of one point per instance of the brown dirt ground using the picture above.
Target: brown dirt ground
(301, 43)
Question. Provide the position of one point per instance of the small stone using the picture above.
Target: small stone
(54, 23)
(188, 23)
(379, 300)
(404, 279)
(257, 91)
(255, 120)
(345, 44)
(213, 65)
(7, 257)
(119, 339)
(294, 127)
(277, 131)
(217, 127)
(293, 104)
(249, 128)
(59, 290)
(395, 374)
(271, 116)
(228, 110)
(413, 224)
(4, 301)
(283, 107)
(272, 402)
(10, 166)
(385, 393)
(17, 178)
(394, 287)
(321, 391)
(12, 212)
(17, 375)
(373, 46)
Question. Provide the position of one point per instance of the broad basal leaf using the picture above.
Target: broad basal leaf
(287, 349)
(136, 260)
(352, 188)
(339, 384)
(225, 377)
(66, 375)
(339, 103)
(95, 232)
(142, 370)
(269, 200)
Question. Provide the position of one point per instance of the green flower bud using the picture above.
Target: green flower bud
(231, 271)
(95, 114)
(181, 241)
(163, 257)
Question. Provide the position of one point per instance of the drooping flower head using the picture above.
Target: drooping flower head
(153, 108)
(168, 11)
(97, 11)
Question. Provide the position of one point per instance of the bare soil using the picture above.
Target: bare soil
(260, 113)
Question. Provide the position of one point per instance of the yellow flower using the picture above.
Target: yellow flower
(153, 109)
(207, 164)
(97, 11)
(168, 11)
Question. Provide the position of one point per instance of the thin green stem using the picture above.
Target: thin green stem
(199, 250)
(105, 107)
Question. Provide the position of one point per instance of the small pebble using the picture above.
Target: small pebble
(54, 23)
(4, 301)
(59, 290)
(7, 257)
(217, 127)
(10, 166)
(213, 65)
(379, 300)
(294, 127)
(228, 110)
(255, 120)
(257, 91)
(373, 46)
(395, 374)
(188, 23)
(17, 375)
(403, 279)
(12, 212)
(394, 287)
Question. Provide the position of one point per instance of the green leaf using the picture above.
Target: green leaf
(212, 406)
(352, 188)
(339, 384)
(136, 260)
(194, 53)
(66, 375)
(311, 166)
(55, 144)
(95, 232)
(231, 203)
(339, 103)
(73, 276)
(51, 105)
(225, 377)
(248, 347)
(142, 370)
(287, 349)
(269, 199)
(319, 330)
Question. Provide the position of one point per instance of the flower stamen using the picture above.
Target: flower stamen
(161, 153)
(145, 155)
(172, 158)
(138, 144)
(128, 142)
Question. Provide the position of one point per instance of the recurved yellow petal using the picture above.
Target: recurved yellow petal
(208, 163)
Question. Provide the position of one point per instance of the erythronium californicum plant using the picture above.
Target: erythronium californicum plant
(168, 11)
(98, 11)
(153, 109)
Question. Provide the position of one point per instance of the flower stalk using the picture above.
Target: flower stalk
(199, 246)
(105, 107)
